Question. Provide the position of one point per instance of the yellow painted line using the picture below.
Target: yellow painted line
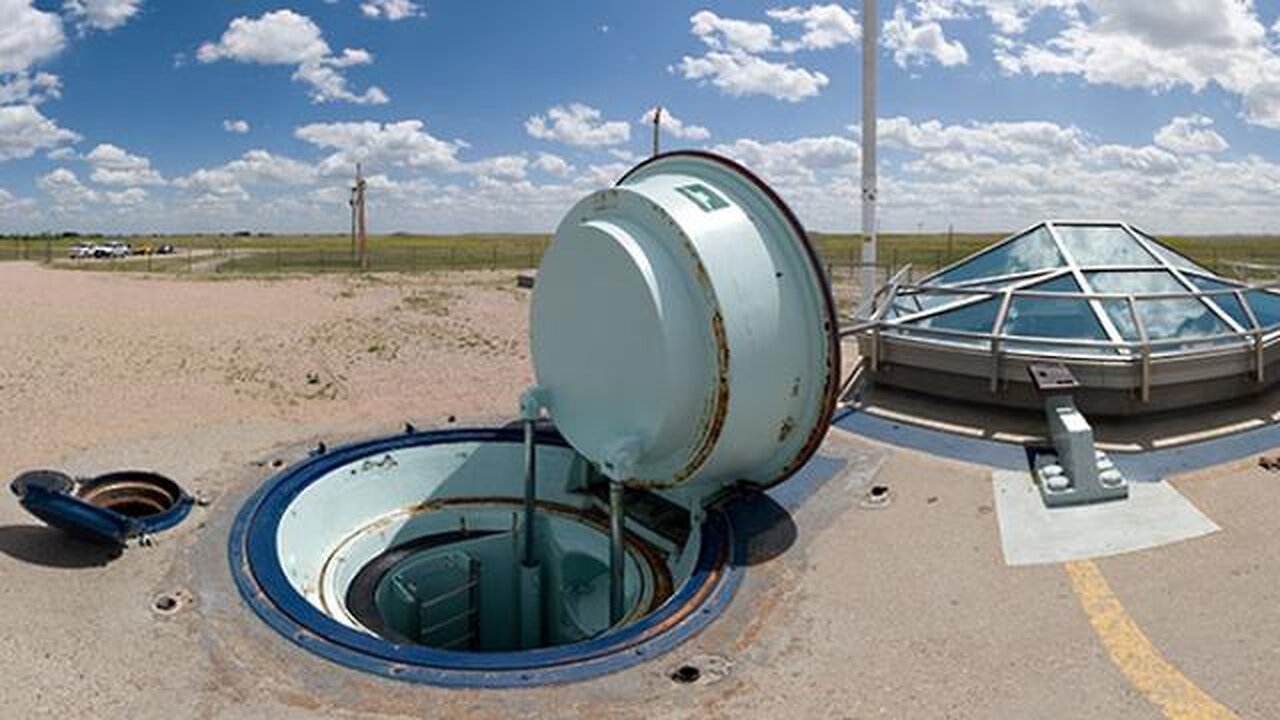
(1141, 663)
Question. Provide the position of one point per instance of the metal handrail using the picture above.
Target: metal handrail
(1253, 337)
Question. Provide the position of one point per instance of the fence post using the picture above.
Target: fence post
(494, 265)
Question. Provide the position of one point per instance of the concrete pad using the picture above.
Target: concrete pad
(1031, 534)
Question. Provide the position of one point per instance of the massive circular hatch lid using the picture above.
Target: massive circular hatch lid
(682, 328)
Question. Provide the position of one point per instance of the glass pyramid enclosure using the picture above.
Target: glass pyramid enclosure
(1140, 326)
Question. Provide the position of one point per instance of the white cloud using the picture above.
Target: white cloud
(131, 197)
(113, 165)
(579, 125)
(224, 185)
(23, 131)
(1009, 16)
(505, 167)
(675, 127)
(213, 184)
(734, 58)
(391, 9)
(27, 89)
(738, 74)
(284, 37)
(990, 175)
(553, 164)
(728, 34)
(1160, 46)
(399, 144)
(918, 43)
(11, 203)
(1027, 139)
(66, 189)
(258, 167)
(789, 162)
(239, 127)
(101, 14)
(1190, 134)
(27, 35)
(825, 26)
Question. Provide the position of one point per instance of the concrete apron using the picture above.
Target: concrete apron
(1155, 514)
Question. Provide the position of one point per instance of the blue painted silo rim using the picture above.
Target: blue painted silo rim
(255, 567)
(58, 504)
(50, 480)
(148, 524)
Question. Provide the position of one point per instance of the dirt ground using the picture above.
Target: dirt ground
(95, 359)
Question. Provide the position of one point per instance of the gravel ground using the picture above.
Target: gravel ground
(93, 359)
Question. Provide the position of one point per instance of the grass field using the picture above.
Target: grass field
(269, 254)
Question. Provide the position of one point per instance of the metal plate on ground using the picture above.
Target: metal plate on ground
(1030, 534)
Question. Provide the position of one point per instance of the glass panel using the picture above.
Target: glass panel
(1102, 245)
(1266, 306)
(1163, 318)
(1171, 256)
(1032, 251)
(912, 302)
(1054, 318)
(1141, 282)
(978, 317)
(1229, 304)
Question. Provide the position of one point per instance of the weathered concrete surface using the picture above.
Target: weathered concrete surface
(902, 612)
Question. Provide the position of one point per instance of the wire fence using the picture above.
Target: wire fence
(1232, 257)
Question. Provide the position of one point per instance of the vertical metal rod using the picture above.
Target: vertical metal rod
(1145, 389)
(530, 491)
(617, 556)
(997, 328)
(870, 50)
(1259, 353)
(657, 125)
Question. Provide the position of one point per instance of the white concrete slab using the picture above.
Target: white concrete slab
(1031, 534)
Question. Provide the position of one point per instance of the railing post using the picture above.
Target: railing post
(996, 327)
(1145, 386)
(1259, 356)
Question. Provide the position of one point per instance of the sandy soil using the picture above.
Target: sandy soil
(90, 358)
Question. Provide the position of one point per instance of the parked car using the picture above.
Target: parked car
(101, 251)
(119, 249)
(165, 249)
(81, 250)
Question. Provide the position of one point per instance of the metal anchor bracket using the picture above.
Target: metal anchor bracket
(1076, 472)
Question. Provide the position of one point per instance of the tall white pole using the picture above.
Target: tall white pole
(870, 52)
(657, 127)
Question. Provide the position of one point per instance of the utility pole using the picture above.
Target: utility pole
(352, 202)
(870, 50)
(358, 235)
(657, 127)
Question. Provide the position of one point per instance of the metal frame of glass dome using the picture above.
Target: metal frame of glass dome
(1123, 311)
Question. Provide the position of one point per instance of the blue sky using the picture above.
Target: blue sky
(151, 115)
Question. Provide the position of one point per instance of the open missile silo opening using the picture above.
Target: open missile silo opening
(684, 343)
